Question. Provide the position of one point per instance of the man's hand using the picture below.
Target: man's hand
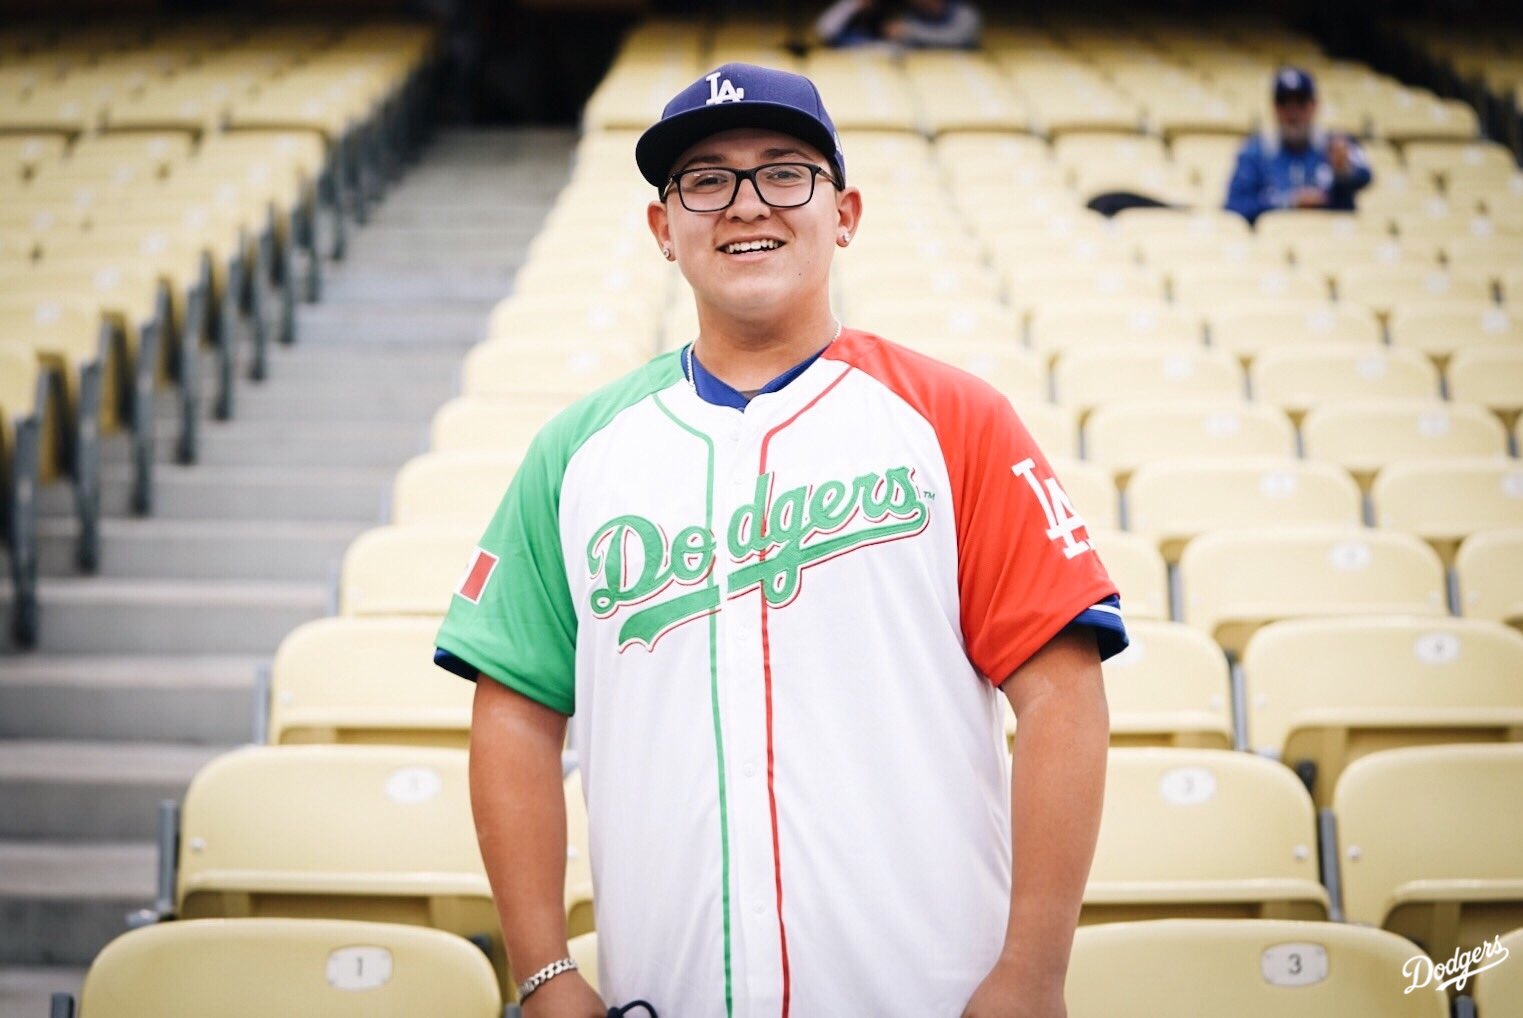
(1006, 993)
(565, 996)
(1338, 155)
(895, 30)
(1309, 198)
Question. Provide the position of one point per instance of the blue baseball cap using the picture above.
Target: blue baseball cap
(732, 96)
(1293, 83)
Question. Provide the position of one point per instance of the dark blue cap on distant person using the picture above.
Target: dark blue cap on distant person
(734, 96)
(1293, 83)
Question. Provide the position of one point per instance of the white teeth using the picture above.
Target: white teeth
(751, 245)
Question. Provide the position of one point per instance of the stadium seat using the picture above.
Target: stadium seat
(1123, 436)
(1382, 287)
(1209, 287)
(1235, 581)
(1091, 376)
(495, 368)
(1247, 329)
(1284, 227)
(1002, 363)
(1248, 968)
(1031, 286)
(1053, 427)
(1057, 328)
(579, 904)
(1168, 688)
(460, 486)
(1445, 500)
(1172, 501)
(1362, 436)
(366, 680)
(1203, 833)
(1499, 990)
(1091, 491)
(338, 832)
(1442, 329)
(1296, 379)
(1404, 868)
(575, 321)
(300, 968)
(23, 413)
(584, 949)
(1325, 692)
(1491, 376)
(493, 423)
(1138, 571)
(1486, 569)
(925, 323)
(405, 570)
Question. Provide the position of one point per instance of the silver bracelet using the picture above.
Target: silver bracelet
(544, 975)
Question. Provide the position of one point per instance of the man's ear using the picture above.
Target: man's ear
(660, 225)
(848, 211)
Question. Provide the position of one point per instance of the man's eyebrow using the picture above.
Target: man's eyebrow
(707, 157)
(710, 157)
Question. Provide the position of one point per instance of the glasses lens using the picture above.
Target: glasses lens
(706, 190)
(785, 185)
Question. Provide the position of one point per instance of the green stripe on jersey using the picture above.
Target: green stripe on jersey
(522, 630)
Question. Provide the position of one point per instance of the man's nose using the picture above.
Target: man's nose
(748, 202)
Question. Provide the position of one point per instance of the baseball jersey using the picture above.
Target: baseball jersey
(779, 633)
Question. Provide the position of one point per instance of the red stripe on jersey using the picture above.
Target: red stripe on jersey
(476, 576)
(1016, 587)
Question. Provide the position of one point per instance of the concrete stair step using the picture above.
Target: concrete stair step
(285, 443)
(207, 491)
(192, 699)
(295, 400)
(344, 324)
(63, 901)
(357, 362)
(25, 992)
(94, 791)
(214, 549)
(95, 615)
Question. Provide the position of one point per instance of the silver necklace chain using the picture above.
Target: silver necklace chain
(692, 377)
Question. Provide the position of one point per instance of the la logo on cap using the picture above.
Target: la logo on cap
(722, 91)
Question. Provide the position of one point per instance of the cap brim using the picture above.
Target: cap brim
(658, 148)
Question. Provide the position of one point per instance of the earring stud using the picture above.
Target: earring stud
(666, 253)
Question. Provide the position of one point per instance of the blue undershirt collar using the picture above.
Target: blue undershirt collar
(712, 390)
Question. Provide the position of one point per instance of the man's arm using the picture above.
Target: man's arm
(1057, 788)
(1246, 193)
(519, 804)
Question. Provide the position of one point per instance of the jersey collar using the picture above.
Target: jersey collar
(716, 392)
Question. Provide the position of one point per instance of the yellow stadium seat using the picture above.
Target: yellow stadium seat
(369, 680)
(584, 949)
(1444, 328)
(498, 368)
(579, 905)
(1249, 328)
(1382, 287)
(1123, 436)
(1483, 252)
(1299, 378)
(861, 283)
(1491, 376)
(1362, 436)
(301, 968)
(337, 832)
(501, 424)
(924, 324)
(1168, 688)
(1172, 501)
(1403, 866)
(457, 486)
(23, 412)
(1091, 491)
(1284, 227)
(1032, 286)
(1059, 327)
(1212, 287)
(1092, 376)
(1002, 363)
(1235, 581)
(1499, 990)
(1312, 702)
(1053, 427)
(1247, 968)
(1442, 158)
(411, 570)
(1487, 568)
(577, 322)
(1137, 570)
(1445, 500)
(1204, 833)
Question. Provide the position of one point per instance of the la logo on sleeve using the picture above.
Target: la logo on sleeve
(474, 582)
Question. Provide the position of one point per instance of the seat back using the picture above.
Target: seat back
(1429, 842)
(405, 570)
(1092, 376)
(1364, 435)
(1491, 376)
(458, 486)
(1499, 990)
(501, 424)
(1138, 571)
(1487, 567)
(500, 368)
(1203, 832)
(1445, 500)
(1124, 436)
(1168, 688)
(1297, 379)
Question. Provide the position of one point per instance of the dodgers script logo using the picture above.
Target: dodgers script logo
(770, 541)
(722, 91)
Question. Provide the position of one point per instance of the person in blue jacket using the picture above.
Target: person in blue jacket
(1300, 166)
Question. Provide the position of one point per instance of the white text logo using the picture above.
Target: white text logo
(722, 91)
(1457, 971)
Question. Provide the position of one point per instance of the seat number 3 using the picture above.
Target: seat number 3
(1062, 521)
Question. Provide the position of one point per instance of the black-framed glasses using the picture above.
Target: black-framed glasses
(714, 188)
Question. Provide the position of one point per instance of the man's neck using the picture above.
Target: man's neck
(746, 354)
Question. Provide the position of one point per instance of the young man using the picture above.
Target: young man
(777, 581)
(1300, 167)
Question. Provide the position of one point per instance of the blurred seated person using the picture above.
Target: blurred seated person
(916, 23)
(1299, 166)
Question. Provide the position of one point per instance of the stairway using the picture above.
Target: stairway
(146, 671)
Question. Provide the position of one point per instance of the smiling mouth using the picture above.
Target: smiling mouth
(748, 246)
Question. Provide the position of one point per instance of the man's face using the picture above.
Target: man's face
(1295, 116)
(755, 283)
